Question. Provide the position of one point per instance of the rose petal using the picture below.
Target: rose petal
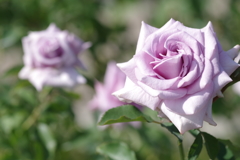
(191, 104)
(114, 78)
(203, 80)
(103, 99)
(70, 57)
(129, 69)
(24, 73)
(66, 77)
(53, 28)
(146, 30)
(219, 81)
(160, 84)
(133, 93)
(155, 43)
(186, 122)
(233, 53)
(163, 94)
(143, 64)
(211, 43)
(172, 94)
(192, 75)
(196, 33)
(169, 68)
(27, 58)
(228, 65)
(189, 40)
(208, 116)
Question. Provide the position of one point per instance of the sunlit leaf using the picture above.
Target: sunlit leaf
(125, 113)
(47, 138)
(10, 122)
(116, 151)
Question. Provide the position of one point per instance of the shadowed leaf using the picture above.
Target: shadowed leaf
(171, 128)
(196, 148)
(212, 145)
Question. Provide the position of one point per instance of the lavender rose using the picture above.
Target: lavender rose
(177, 71)
(50, 58)
(114, 80)
(103, 100)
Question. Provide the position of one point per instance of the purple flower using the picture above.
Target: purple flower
(114, 80)
(177, 71)
(50, 58)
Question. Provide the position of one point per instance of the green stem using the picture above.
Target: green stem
(44, 101)
(34, 116)
(181, 150)
(157, 122)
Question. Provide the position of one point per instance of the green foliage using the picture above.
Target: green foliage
(125, 113)
(47, 138)
(228, 150)
(211, 144)
(172, 129)
(116, 151)
(196, 148)
(216, 148)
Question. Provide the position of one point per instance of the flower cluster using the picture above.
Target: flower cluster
(176, 70)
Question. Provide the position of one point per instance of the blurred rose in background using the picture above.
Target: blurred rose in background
(114, 80)
(50, 58)
(103, 99)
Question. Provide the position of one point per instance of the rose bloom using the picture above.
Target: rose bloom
(114, 80)
(103, 100)
(51, 57)
(177, 71)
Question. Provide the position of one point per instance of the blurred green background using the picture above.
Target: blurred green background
(55, 123)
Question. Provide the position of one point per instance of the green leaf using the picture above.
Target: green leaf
(224, 152)
(194, 132)
(10, 122)
(211, 144)
(71, 95)
(47, 138)
(170, 127)
(116, 151)
(196, 148)
(13, 71)
(125, 113)
(22, 84)
(228, 149)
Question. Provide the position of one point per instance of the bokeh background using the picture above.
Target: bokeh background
(63, 127)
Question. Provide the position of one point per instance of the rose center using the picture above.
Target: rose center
(50, 48)
(171, 63)
(168, 67)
